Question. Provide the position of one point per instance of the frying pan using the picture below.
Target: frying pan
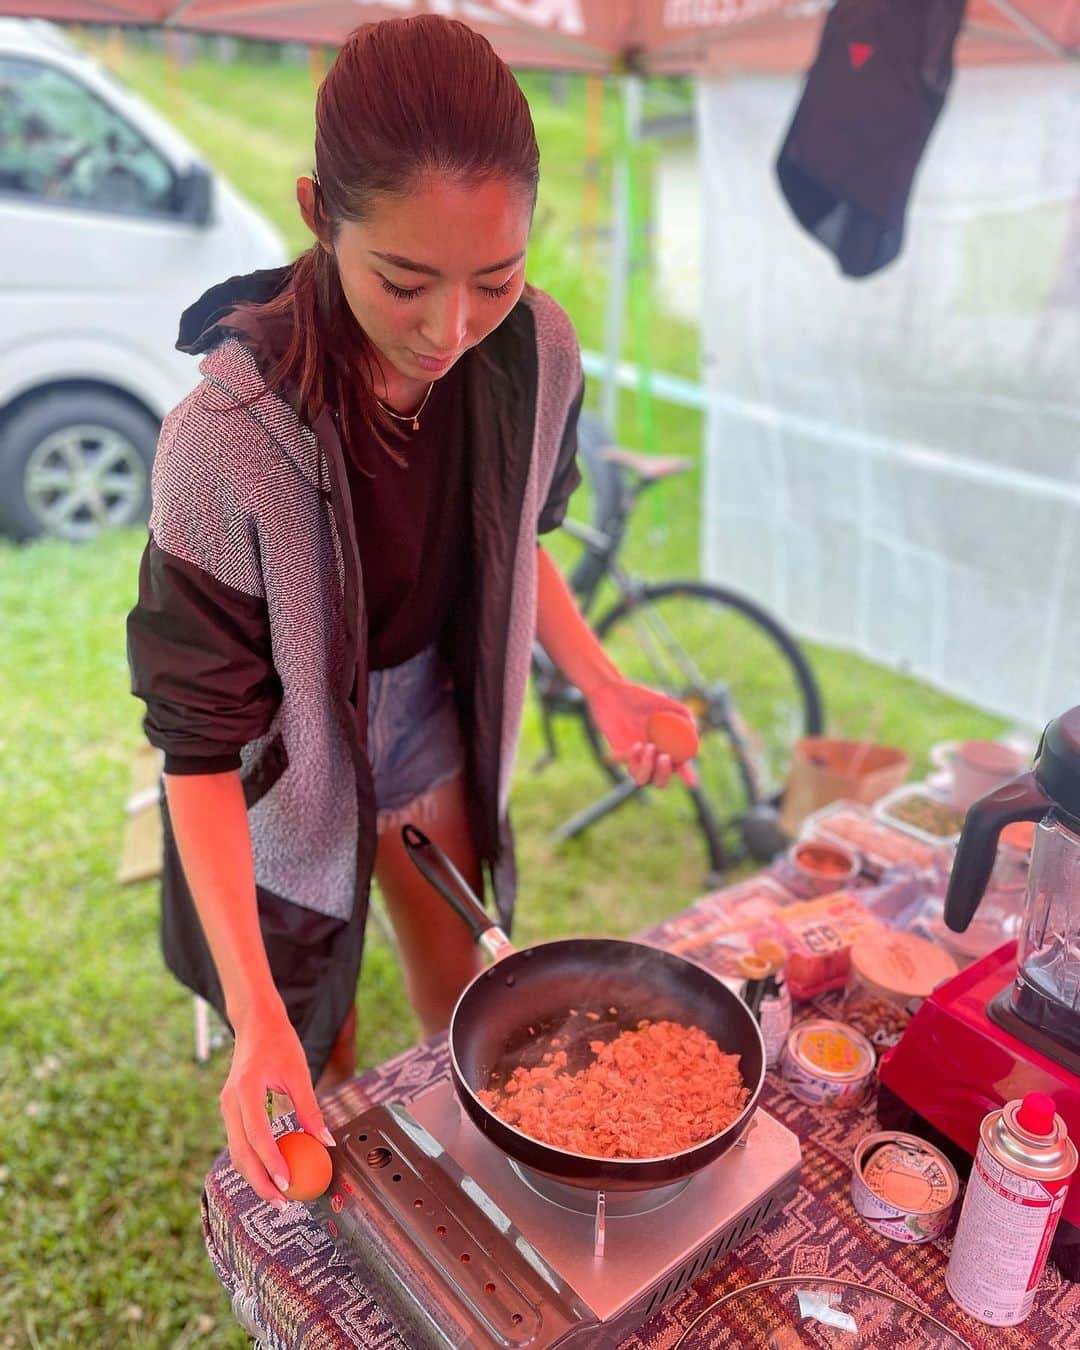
(508, 1013)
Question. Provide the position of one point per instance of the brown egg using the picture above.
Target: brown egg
(673, 735)
(309, 1163)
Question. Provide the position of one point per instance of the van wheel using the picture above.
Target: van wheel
(75, 463)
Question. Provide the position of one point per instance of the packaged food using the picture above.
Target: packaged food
(817, 935)
(723, 927)
(828, 1064)
(881, 845)
(902, 1186)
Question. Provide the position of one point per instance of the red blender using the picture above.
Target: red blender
(1010, 1023)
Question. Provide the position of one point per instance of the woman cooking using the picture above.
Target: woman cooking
(343, 581)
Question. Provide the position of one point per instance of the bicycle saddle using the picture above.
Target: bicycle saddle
(650, 467)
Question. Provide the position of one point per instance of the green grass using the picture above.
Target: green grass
(109, 1126)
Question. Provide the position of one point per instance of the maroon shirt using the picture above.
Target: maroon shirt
(412, 521)
(412, 525)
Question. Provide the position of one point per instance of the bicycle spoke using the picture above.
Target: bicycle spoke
(748, 688)
(646, 614)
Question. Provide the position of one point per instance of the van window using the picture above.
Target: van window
(60, 143)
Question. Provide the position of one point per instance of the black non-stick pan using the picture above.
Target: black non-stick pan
(507, 1015)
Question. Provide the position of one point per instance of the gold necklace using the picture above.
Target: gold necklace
(414, 418)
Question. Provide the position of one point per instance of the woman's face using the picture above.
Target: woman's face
(430, 275)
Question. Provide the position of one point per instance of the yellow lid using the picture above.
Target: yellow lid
(833, 1049)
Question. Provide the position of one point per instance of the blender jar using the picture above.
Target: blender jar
(1047, 990)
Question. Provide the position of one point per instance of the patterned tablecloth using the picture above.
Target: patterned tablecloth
(290, 1289)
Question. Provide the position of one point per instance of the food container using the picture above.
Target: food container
(918, 811)
(817, 935)
(975, 768)
(828, 1064)
(881, 844)
(890, 975)
(902, 1186)
(823, 867)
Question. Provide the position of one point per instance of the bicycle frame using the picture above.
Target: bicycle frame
(602, 548)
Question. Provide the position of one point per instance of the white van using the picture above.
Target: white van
(110, 226)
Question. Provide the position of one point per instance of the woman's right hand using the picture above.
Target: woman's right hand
(267, 1057)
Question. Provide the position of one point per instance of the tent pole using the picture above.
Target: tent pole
(619, 258)
(594, 138)
(1032, 31)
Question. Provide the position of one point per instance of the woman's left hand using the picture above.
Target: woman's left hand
(622, 711)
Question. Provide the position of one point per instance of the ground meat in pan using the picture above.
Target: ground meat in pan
(651, 1092)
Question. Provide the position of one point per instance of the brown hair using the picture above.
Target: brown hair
(404, 98)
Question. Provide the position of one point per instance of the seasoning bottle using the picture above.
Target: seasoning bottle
(767, 996)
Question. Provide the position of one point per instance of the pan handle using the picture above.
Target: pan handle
(441, 873)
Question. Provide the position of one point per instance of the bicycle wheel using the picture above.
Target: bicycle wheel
(743, 676)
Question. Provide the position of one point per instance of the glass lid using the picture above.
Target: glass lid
(799, 1313)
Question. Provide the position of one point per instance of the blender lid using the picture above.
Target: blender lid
(1057, 762)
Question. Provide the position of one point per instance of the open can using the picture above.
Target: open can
(902, 1186)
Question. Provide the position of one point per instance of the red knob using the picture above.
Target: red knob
(1036, 1114)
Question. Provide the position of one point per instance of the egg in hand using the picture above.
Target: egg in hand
(309, 1163)
(674, 735)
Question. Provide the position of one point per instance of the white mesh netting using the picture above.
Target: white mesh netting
(893, 464)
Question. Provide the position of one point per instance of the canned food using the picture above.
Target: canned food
(902, 1186)
(828, 1064)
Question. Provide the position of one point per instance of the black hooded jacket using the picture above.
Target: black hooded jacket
(248, 643)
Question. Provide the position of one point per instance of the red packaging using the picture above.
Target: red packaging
(818, 935)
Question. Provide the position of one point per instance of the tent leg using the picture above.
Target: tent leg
(619, 263)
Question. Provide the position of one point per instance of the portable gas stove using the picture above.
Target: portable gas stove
(467, 1248)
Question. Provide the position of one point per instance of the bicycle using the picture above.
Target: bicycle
(662, 634)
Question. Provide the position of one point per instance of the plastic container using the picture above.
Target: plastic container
(880, 843)
(974, 768)
(998, 917)
(923, 813)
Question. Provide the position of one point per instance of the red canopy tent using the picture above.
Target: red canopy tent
(627, 37)
(647, 36)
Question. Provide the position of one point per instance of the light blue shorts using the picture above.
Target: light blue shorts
(414, 739)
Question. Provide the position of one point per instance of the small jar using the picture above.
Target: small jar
(824, 867)
(891, 973)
